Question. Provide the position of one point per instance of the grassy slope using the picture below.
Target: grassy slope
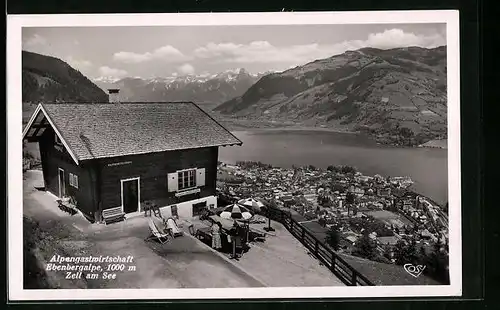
(377, 91)
(50, 79)
(41, 242)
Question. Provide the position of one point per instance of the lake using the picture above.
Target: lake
(426, 166)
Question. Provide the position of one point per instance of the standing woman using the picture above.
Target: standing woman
(216, 236)
(234, 232)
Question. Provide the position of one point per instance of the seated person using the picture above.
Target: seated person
(159, 222)
(172, 227)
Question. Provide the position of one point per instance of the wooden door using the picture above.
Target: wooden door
(62, 183)
(130, 195)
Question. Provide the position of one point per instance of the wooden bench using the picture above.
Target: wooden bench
(113, 215)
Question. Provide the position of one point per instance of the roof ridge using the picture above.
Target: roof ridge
(213, 119)
(120, 136)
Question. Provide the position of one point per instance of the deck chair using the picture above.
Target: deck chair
(155, 233)
(173, 228)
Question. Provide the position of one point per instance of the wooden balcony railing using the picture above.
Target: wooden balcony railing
(338, 266)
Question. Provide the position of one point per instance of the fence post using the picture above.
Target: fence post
(353, 278)
(316, 247)
(303, 232)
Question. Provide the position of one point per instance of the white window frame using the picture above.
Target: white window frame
(194, 171)
(138, 192)
(61, 184)
(73, 180)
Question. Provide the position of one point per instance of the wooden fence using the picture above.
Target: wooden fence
(339, 267)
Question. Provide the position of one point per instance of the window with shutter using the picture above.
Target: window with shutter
(73, 180)
(186, 179)
(200, 177)
(172, 183)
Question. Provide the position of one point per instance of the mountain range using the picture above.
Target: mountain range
(397, 95)
(215, 88)
(50, 79)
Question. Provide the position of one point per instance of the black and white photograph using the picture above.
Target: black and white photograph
(231, 155)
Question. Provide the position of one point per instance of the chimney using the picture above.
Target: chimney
(113, 95)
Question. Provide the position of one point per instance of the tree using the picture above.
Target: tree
(350, 198)
(406, 252)
(349, 201)
(336, 187)
(379, 227)
(348, 169)
(406, 132)
(365, 248)
(437, 263)
(333, 237)
(271, 204)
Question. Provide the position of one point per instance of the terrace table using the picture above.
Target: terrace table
(226, 223)
(252, 233)
(204, 233)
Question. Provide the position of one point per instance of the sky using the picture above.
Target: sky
(163, 51)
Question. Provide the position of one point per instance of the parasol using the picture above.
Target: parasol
(252, 203)
(236, 212)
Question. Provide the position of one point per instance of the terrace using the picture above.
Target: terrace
(184, 262)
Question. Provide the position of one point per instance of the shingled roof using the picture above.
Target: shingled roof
(104, 130)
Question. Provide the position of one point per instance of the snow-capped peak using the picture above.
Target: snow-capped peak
(227, 76)
(232, 74)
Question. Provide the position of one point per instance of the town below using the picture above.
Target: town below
(373, 217)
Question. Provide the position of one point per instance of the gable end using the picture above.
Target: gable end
(31, 124)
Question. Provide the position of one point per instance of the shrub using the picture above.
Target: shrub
(333, 238)
(365, 248)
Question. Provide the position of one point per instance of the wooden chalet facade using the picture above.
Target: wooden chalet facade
(119, 157)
